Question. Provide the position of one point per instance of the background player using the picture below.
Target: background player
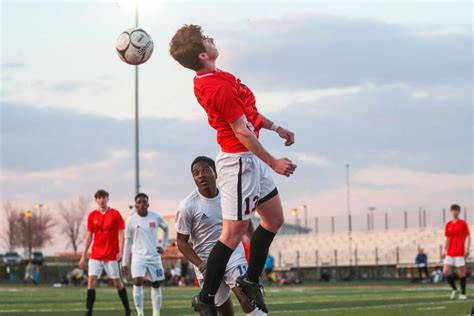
(200, 216)
(243, 172)
(105, 227)
(456, 250)
(141, 239)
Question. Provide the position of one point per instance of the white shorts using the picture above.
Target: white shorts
(244, 181)
(154, 270)
(227, 284)
(112, 268)
(454, 261)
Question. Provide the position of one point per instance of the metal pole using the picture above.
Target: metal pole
(349, 218)
(29, 237)
(137, 148)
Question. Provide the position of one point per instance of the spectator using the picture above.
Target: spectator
(29, 273)
(422, 263)
(269, 264)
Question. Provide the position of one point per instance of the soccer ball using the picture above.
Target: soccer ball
(134, 46)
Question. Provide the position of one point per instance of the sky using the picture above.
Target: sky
(383, 86)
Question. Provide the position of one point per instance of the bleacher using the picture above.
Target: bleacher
(379, 247)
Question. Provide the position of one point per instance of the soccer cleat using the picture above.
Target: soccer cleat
(454, 294)
(462, 297)
(128, 312)
(202, 308)
(253, 290)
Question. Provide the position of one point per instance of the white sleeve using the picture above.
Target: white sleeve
(184, 222)
(127, 248)
(164, 226)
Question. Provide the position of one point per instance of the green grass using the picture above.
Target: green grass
(367, 299)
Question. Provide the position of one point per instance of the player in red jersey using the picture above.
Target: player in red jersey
(243, 165)
(105, 227)
(456, 250)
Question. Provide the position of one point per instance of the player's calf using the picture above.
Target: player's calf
(156, 297)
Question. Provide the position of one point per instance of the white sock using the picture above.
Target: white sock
(256, 312)
(156, 299)
(138, 298)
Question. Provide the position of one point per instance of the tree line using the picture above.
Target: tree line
(20, 230)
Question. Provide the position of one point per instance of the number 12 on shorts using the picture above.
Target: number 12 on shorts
(247, 205)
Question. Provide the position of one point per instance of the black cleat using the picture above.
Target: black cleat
(202, 308)
(128, 312)
(88, 313)
(253, 291)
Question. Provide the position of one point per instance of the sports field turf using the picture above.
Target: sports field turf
(331, 299)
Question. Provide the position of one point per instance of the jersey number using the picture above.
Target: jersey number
(247, 205)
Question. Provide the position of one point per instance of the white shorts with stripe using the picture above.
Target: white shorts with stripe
(153, 269)
(112, 268)
(454, 261)
(244, 181)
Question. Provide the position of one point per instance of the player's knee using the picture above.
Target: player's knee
(138, 282)
(156, 284)
(231, 241)
(91, 283)
(118, 284)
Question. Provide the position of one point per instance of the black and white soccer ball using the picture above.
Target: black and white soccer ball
(134, 46)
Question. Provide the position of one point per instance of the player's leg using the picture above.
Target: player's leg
(231, 236)
(138, 295)
(238, 184)
(138, 271)
(448, 263)
(157, 275)
(223, 300)
(113, 270)
(461, 271)
(226, 309)
(95, 269)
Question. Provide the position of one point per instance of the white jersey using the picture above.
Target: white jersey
(142, 233)
(201, 218)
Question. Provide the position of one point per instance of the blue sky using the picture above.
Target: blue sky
(386, 87)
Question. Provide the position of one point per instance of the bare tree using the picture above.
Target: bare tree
(35, 231)
(12, 222)
(72, 221)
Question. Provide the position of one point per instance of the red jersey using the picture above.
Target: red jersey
(225, 99)
(457, 231)
(105, 227)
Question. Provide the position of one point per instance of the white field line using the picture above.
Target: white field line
(335, 309)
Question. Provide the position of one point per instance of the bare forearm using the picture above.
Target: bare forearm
(121, 239)
(468, 243)
(189, 253)
(446, 245)
(87, 244)
(250, 141)
(267, 123)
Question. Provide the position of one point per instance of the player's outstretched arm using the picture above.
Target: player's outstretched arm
(283, 166)
(282, 132)
(87, 244)
(183, 245)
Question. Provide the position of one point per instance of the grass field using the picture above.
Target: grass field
(332, 299)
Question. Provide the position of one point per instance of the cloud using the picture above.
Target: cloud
(318, 51)
(311, 159)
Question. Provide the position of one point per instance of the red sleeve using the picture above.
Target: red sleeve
(466, 228)
(228, 103)
(120, 222)
(446, 230)
(90, 226)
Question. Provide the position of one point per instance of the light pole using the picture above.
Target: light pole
(137, 130)
(371, 210)
(349, 218)
(28, 216)
(294, 211)
(304, 208)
